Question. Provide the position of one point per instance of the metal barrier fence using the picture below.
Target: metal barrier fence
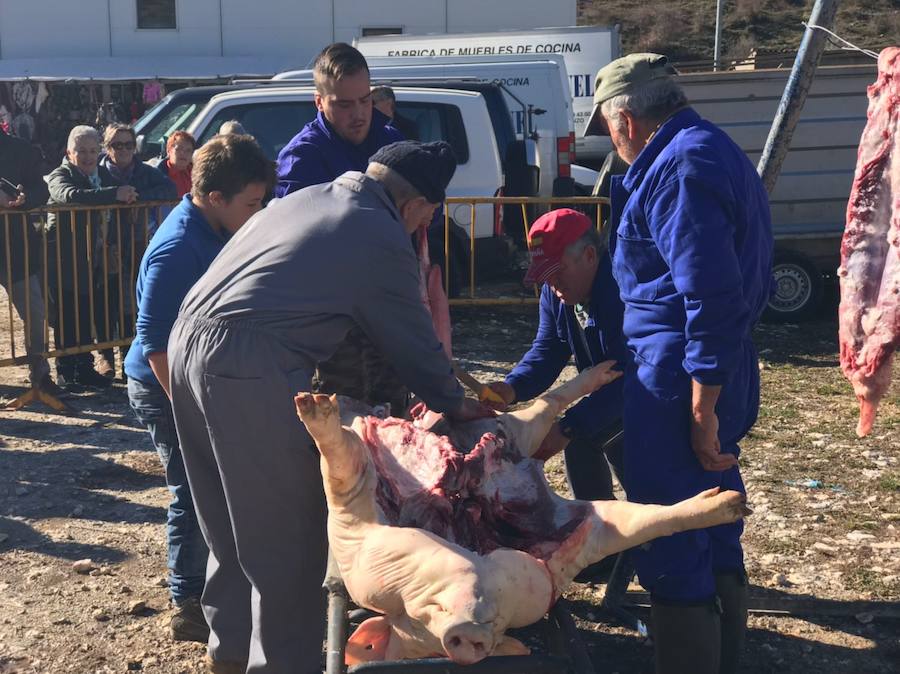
(73, 269)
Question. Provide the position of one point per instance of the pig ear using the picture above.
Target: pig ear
(369, 642)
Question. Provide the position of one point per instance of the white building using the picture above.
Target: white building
(135, 39)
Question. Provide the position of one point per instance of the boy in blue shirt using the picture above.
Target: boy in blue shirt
(231, 178)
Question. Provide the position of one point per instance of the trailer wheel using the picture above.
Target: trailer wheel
(797, 291)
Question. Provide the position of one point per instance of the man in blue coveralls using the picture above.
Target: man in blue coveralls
(692, 257)
(347, 129)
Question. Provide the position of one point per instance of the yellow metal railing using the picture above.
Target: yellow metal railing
(523, 203)
(78, 244)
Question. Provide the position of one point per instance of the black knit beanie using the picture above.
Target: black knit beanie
(426, 166)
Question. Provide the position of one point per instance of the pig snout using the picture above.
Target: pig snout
(468, 643)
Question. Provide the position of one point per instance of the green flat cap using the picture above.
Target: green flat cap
(621, 76)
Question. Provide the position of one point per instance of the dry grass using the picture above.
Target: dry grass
(685, 29)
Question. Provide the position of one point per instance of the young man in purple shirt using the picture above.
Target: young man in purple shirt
(345, 133)
(347, 129)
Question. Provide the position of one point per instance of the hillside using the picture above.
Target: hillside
(685, 29)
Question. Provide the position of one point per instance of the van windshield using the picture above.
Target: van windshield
(178, 117)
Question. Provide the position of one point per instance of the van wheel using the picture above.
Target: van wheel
(797, 292)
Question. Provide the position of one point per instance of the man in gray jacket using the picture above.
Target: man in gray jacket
(277, 300)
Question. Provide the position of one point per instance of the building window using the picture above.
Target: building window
(156, 14)
(381, 30)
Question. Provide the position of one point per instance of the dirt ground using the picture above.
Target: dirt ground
(825, 535)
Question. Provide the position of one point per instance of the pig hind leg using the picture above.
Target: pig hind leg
(631, 524)
(344, 456)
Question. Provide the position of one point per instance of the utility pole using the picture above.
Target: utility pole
(717, 49)
(788, 114)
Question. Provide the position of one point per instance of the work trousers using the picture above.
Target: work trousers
(28, 300)
(254, 474)
(661, 467)
(591, 462)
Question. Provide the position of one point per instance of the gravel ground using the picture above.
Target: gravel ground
(825, 534)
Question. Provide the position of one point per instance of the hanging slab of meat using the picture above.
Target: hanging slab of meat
(451, 532)
(431, 289)
(870, 251)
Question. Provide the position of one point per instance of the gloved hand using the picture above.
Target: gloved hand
(471, 409)
(505, 391)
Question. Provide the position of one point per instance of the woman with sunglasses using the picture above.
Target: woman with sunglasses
(127, 233)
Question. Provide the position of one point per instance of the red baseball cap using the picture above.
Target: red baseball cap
(548, 239)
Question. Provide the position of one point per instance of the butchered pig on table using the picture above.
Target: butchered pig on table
(451, 532)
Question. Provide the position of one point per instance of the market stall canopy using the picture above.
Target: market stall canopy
(116, 68)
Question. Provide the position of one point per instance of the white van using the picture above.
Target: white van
(535, 88)
(275, 114)
(585, 49)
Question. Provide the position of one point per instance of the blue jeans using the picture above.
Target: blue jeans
(187, 549)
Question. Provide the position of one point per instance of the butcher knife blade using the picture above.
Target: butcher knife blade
(484, 392)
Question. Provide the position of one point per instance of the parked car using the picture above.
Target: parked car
(535, 91)
(473, 119)
(171, 113)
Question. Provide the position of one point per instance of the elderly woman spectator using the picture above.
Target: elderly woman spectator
(178, 161)
(128, 230)
(77, 239)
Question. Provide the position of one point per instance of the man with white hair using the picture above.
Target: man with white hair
(692, 256)
(79, 180)
(278, 299)
(232, 126)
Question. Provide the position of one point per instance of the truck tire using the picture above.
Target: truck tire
(797, 289)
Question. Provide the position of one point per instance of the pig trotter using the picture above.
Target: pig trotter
(711, 507)
(321, 416)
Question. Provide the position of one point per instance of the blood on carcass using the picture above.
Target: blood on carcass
(869, 274)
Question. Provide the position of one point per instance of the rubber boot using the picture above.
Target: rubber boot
(732, 589)
(686, 639)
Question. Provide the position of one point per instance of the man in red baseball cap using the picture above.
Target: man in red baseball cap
(580, 316)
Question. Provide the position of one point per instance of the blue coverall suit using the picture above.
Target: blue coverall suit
(596, 419)
(692, 257)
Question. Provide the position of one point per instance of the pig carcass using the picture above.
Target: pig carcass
(453, 547)
(870, 251)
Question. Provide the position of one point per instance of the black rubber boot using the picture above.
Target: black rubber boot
(686, 639)
(733, 595)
